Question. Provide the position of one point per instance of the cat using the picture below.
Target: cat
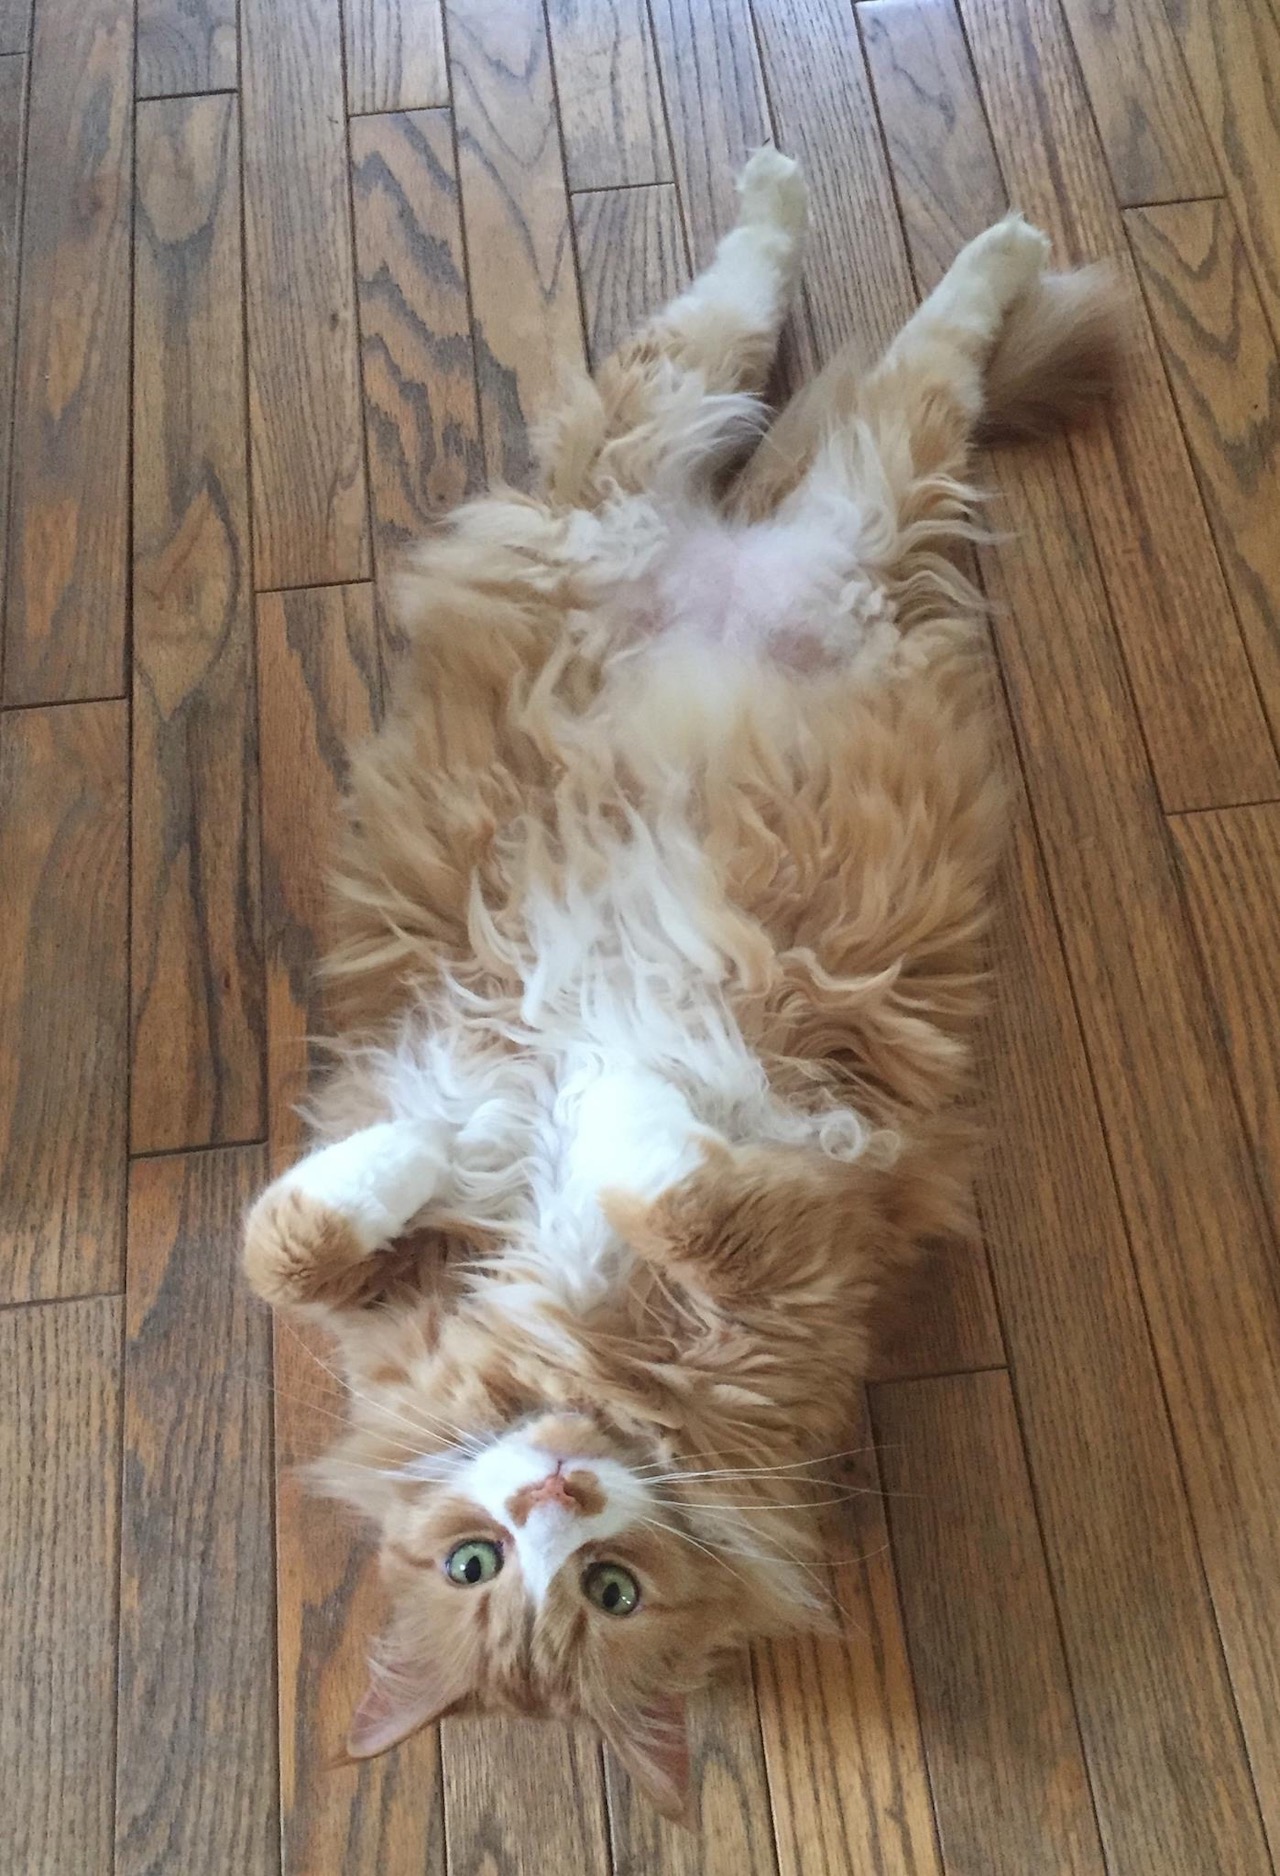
(657, 950)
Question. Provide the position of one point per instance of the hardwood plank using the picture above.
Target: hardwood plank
(309, 501)
(68, 520)
(1154, 1702)
(1233, 56)
(319, 691)
(944, 170)
(1170, 1782)
(857, 284)
(1226, 378)
(63, 999)
(945, 1321)
(395, 55)
(846, 1761)
(1231, 866)
(716, 106)
(196, 944)
(419, 370)
(522, 1797)
(59, 1463)
(611, 115)
(339, 1819)
(15, 25)
(524, 299)
(1199, 709)
(1008, 1779)
(631, 260)
(1151, 130)
(196, 1778)
(186, 46)
(13, 84)
(733, 1833)
(1197, 1229)
(319, 686)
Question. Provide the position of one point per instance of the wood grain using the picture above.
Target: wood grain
(15, 25)
(944, 170)
(320, 691)
(610, 101)
(524, 299)
(59, 1540)
(196, 951)
(319, 678)
(995, 1703)
(309, 506)
(196, 1785)
(857, 284)
(63, 999)
(13, 84)
(846, 1761)
(1151, 130)
(716, 107)
(1151, 1693)
(68, 521)
(521, 1798)
(337, 1819)
(1233, 56)
(1201, 719)
(734, 1831)
(631, 260)
(395, 55)
(1226, 378)
(1197, 1229)
(1231, 866)
(186, 46)
(419, 370)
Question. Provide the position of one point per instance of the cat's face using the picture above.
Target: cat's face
(549, 1573)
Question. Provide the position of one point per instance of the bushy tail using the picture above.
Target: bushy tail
(1060, 353)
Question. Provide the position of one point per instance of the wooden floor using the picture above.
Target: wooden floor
(276, 285)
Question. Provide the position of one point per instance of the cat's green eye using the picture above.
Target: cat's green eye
(476, 1561)
(611, 1588)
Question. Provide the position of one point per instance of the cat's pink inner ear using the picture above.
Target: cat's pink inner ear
(397, 1701)
(653, 1743)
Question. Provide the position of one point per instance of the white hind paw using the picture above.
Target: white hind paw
(1010, 257)
(773, 192)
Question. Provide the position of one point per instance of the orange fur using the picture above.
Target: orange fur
(556, 723)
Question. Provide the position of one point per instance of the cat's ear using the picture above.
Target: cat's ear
(653, 1744)
(400, 1699)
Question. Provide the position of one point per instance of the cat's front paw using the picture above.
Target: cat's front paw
(298, 1249)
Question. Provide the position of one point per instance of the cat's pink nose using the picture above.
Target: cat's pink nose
(578, 1492)
(553, 1490)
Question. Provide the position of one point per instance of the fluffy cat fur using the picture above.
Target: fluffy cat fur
(657, 954)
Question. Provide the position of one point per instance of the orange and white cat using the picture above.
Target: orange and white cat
(658, 951)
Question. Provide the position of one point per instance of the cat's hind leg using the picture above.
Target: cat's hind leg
(337, 1208)
(674, 401)
(1000, 348)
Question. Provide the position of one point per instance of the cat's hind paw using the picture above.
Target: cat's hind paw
(773, 193)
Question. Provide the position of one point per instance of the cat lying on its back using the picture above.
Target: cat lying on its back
(658, 951)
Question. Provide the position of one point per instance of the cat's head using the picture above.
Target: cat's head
(554, 1569)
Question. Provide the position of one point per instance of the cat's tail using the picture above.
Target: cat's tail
(1060, 353)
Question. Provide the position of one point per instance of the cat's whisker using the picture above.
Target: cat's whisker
(793, 1465)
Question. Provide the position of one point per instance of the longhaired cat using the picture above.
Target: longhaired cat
(657, 954)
